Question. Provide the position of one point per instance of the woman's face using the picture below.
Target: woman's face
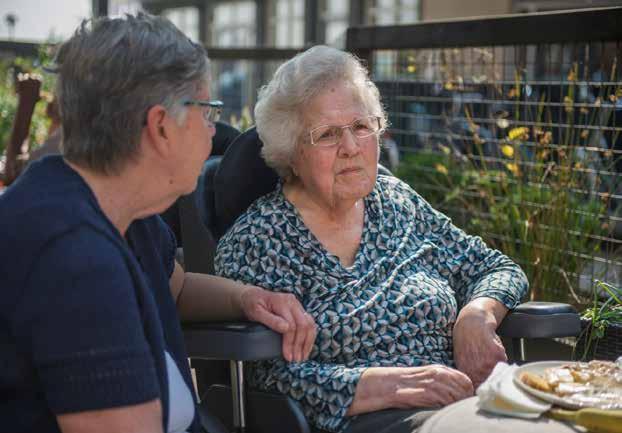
(347, 170)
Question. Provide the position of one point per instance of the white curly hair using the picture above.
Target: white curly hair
(279, 112)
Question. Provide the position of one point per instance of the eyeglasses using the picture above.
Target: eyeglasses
(330, 135)
(212, 113)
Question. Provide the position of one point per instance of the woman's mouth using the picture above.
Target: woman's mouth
(349, 170)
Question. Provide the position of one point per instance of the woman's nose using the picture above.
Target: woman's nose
(348, 144)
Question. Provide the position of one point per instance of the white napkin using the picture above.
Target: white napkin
(500, 395)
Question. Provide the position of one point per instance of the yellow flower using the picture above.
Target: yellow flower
(449, 85)
(507, 150)
(444, 149)
(441, 169)
(512, 167)
(520, 133)
(411, 69)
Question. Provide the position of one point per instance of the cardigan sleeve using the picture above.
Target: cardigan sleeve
(79, 321)
(473, 269)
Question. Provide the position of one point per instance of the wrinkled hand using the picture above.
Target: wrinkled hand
(283, 313)
(432, 386)
(409, 387)
(477, 347)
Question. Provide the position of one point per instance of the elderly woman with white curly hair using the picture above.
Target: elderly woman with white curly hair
(406, 303)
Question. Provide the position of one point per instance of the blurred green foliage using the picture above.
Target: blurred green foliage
(546, 227)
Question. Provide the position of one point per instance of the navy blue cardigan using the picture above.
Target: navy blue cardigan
(85, 315)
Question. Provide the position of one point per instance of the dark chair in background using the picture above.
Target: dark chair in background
(218, 350)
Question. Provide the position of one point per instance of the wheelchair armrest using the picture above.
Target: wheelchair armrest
(541, 320)
(239, 341)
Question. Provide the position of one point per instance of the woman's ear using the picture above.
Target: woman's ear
(157, 128)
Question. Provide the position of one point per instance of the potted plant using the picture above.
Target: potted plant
(601, 336)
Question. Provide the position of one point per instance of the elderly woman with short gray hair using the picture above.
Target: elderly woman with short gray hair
(406, 304)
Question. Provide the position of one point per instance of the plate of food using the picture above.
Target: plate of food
(573, 385)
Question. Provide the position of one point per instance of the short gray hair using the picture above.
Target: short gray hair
(110, 72)
(280, 109)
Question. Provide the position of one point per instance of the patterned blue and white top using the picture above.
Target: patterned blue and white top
(395, 306)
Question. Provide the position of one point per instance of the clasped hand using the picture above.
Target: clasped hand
(283, 313)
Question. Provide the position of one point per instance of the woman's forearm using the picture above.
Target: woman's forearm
(489, 309)
(210, 298)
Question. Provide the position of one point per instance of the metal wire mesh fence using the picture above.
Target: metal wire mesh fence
(519, 143)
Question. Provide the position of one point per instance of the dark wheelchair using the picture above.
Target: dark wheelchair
(227, 186)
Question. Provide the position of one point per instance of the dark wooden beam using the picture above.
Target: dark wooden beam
(602, 24)
(256, 53)
(357, 13)
(311, 22)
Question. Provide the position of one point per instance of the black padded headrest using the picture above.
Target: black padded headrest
(225, 135)
(241, 178)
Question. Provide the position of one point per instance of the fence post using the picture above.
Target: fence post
(100, 8)
(354, 46)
